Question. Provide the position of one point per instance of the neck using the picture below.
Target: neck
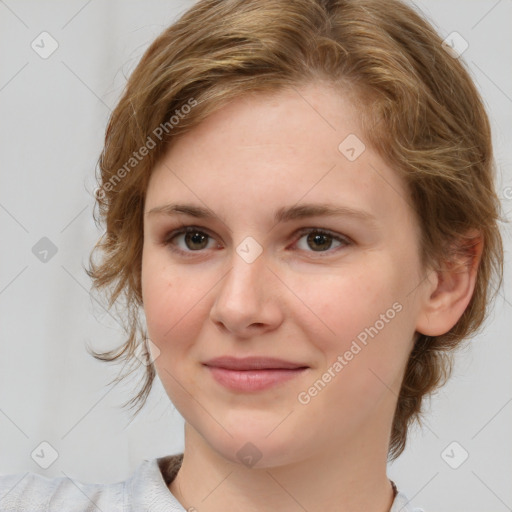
(345, 478)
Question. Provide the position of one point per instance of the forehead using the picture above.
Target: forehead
(264, 151)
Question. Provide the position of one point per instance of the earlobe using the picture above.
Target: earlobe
(446, 300)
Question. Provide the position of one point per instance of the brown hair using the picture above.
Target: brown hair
(420, 111)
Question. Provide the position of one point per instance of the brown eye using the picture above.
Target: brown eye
(196, 240)
(188, 239)
(318, 240)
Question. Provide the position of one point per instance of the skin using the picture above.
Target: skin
(298, 300)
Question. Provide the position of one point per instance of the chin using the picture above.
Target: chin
(255, 448)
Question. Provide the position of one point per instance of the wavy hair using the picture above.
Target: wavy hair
(420, 111)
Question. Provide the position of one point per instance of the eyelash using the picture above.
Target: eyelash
(184, 229)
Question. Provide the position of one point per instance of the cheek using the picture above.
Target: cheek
(175, 305)
(360, 316)
(337, 307)
(160, 292)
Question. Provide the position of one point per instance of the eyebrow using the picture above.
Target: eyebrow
(284, 214)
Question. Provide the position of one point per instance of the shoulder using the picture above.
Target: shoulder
(30, 492)
(146, 489)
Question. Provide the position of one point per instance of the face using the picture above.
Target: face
(268, 274)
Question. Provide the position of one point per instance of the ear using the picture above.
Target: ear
(448, 294)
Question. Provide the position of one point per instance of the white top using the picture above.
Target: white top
(146, 490)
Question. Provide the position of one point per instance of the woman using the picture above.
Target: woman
(299, 197)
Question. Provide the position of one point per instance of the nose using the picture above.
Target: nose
(247, 301)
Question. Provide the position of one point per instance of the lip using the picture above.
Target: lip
(253, 373)
(253, 363)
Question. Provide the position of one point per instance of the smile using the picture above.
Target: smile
(253, 380)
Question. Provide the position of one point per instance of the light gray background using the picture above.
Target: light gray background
(53, 113)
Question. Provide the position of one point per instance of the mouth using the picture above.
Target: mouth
(253, 373)
(253, 363)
